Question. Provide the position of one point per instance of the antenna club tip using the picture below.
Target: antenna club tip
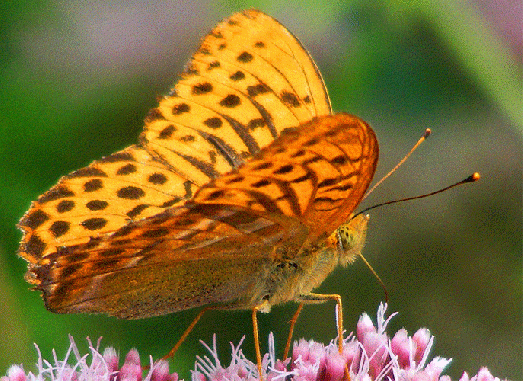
(472, 178)
(427, 133)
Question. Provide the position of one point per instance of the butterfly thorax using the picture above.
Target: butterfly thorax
(290, 277)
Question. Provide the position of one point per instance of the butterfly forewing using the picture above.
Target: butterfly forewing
(317, 172)
(98, 199)
(249, 80)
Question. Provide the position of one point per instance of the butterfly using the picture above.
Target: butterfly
(240, 193)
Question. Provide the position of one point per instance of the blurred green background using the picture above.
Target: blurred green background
(77, 78)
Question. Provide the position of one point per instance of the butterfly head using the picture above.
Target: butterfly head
(349, 238)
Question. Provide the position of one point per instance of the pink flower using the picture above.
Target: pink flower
(370, 355)
(483, 375)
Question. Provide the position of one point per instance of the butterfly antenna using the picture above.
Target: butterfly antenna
(377, 277)
(471, 179)
(426, 134)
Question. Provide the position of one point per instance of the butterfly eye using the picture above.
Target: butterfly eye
(346, 238)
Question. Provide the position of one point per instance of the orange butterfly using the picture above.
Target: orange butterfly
(232, 198)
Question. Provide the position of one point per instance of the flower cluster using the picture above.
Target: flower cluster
(96, 367)
(369, 355)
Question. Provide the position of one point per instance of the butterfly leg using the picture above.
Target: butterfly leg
(264, 307)
(186, 333)
(319, 298)
(291, 330)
